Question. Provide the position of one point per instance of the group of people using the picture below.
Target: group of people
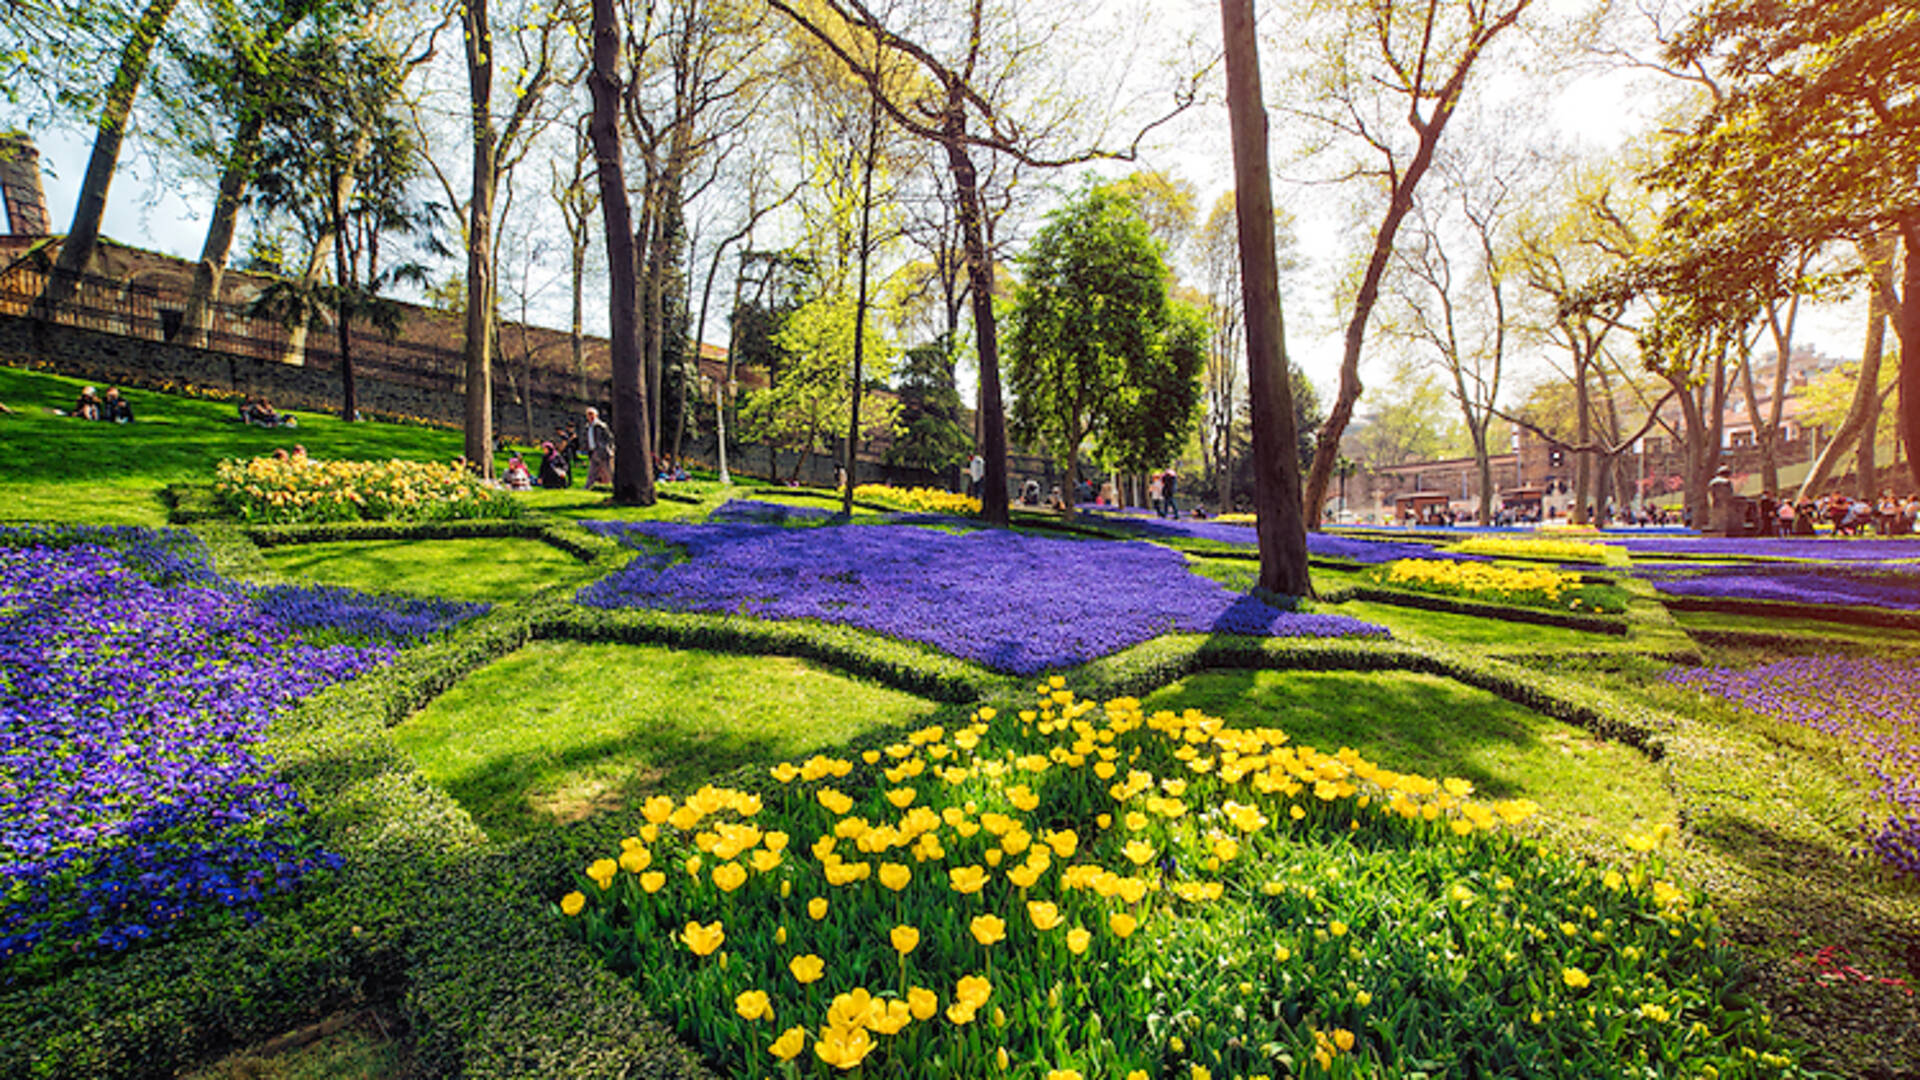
(1888, 515)
(111, 408)
(258, 410)
(1162, 487)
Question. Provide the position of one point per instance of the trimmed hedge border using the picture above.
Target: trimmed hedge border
(562, 534)
(1845, 616)
(423, 905)
(1596, 624)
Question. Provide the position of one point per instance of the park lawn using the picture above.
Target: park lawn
(59, 469)
(1408, 623)
(490, 570)
(559, 731)
(1424, 724)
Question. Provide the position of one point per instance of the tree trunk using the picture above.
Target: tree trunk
(577, 337)
(197, 321)
(991, 412)
(76, 251)
(867, 165)
(1909, 329)
(633, 455)
(478, 351)
(1276, 468)
(1863, 414)
(1483, 514)
(1583, 433)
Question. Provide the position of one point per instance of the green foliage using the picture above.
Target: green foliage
(1383, 933)
(932, 430)
(807, 404)
(1095, 349)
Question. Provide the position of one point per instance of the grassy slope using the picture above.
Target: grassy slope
(1424, 724)
(62, 469)
(560, 730)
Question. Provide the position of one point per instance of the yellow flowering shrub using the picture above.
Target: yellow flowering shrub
(1525, 586)
(919, 500)
(1537, 548)
(300, 489)
(1071, 875)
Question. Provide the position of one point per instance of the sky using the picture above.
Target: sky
(1599, 109)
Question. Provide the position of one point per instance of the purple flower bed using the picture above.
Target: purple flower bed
(758, 512)
(1882, 586)
(1754, 547)
(1015, 603)
(397, 619)
(1871, 705)
(131, 792)
(162, 556)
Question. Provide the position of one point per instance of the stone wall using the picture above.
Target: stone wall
(412, 396)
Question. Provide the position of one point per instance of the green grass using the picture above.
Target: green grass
(1423, 724)
(64, 470)
(492, 570)
(559, 731)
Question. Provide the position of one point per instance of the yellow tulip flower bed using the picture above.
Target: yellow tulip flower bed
(1522, 547)
(1089, 890)
(919, 500)
(1531, 586)
(300, 489)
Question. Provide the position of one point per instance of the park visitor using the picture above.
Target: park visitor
(599, 442)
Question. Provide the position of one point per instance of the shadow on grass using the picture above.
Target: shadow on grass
(1798, 897)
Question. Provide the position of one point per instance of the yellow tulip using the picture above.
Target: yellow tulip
(652, 881)
(894, 876)
(729, 876)
(1078, 939)
(922, 1002)
(817, 908)
(573, 902)
(1045, 916)
(1122, 924)
(988, 929)
(905, 939)
(807, 969)
(702, 940)
(789, 1044)
(753, 1005)
(967, 880)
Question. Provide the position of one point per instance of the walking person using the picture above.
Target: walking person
(1169, 482)
(1154, 487)
(977, 474)
(599, 439)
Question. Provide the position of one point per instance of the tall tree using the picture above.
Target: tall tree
(136, 55)
(1390, 63)
(1093, 345)
(1276, 489)
(954, 97)
(1811, 142)
(633, 457)
(248, 69)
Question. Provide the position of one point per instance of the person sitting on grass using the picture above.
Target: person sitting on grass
(517, 477)
(88, 407)
(261, 411)
(113, 407)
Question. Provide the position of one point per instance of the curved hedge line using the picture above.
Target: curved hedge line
(425, 902)
(1596, 624)
(564, 535)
